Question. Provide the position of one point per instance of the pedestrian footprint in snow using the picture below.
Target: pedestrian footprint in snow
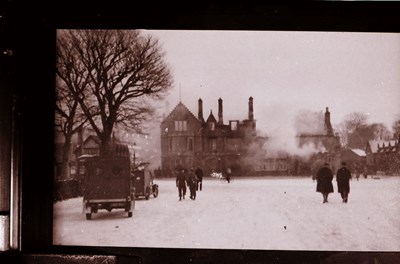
(343, 177)
(324, 181)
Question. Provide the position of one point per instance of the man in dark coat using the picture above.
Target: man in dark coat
(199, 174)
(192, 183)
(181, 183)
(343, 177)
(324, 181)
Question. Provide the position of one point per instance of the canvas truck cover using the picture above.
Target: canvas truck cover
(107, 178)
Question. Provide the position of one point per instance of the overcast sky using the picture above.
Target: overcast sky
(286, 72)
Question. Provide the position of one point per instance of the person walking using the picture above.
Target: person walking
(199, 174)
(343, 177)
(192, 183)
(324, 181)
(181, 183)
(228, 174)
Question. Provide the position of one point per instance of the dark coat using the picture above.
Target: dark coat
(181, 179)
(343, 177)
(324, 180)
(199, 174)
(191, 180)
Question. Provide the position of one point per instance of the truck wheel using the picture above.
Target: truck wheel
(155, 193)
(147, 193)
(128, 206)
(88, 216)
(129, 214)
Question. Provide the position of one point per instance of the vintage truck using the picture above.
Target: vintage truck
(107, 184)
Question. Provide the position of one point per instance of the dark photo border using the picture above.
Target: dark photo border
(30, 31)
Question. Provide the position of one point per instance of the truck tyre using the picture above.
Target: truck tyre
(88, 216)
(155, 192)
(129, 214)
(147, 193)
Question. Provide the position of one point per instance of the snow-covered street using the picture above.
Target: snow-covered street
(266, 213)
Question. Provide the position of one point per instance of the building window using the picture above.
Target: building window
(270, 164)
(180, 126)
(211, 126)
(213, 144)
(72, 169)
(190, 144)
(282, 164)
(82, 169)
(234, 125)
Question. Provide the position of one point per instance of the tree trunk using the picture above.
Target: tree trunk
(64, 169)
(106, 137)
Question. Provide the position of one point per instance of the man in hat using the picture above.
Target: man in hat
(324, 181)
(343, 177)
(181, 182)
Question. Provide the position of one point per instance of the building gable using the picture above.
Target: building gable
(180, 112)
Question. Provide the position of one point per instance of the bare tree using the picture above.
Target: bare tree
(355, 131)
(380, 131)
(68, 120)
(120, 72)
(355, 120)
(396, 127)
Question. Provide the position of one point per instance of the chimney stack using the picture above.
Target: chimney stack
(251, 111)
(200, 113)
(328, 122)
(220, 120)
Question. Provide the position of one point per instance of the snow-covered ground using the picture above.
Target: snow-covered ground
(254, 213)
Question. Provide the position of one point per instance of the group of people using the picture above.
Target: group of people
(193, 179)
(324, 182)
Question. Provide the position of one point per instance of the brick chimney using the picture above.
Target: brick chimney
(328, 125)
(220, 120)
(200, 113)
(251, 111)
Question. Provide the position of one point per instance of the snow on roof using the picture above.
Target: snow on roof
(84, 156)
(374, 144)
(359, 152)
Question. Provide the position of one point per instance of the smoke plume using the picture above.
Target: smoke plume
(282, 125)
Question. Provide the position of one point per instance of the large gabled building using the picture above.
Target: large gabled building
(189, 141)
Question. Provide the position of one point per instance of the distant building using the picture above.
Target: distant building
(354, 158)
(86, 143)
(328, 141)
(383, 156)
(189, 141)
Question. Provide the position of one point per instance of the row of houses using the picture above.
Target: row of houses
(383, 156)
(214, 145)
(190, 141)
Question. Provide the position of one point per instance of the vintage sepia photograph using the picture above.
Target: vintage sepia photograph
(227, 139)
